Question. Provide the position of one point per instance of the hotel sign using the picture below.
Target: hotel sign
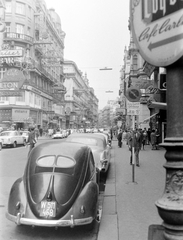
(157, 28)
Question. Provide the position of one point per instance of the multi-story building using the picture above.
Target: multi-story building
(81, 103)
(33, 48)
(151, 81)
(132, 75)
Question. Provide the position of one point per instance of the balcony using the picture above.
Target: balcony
(11, 36)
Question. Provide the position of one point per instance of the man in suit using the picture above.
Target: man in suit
(136, 142)
(31, 139)
(137, 145)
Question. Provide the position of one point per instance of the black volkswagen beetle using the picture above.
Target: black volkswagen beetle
(59, 187)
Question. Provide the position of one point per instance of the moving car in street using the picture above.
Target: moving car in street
(58, 189)
(99, 146)
(12, 138)
(58, 135)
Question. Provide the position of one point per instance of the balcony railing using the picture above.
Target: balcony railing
(18, 36)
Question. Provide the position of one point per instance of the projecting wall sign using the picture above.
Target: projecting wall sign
(157, 28)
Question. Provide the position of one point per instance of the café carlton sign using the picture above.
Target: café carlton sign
(157, 28)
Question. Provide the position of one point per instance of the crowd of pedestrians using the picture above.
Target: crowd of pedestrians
(137, 139)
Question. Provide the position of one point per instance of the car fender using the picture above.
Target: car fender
(86, 203)
(17, 197)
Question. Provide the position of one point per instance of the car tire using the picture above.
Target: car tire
(14, 144)
(1, 146)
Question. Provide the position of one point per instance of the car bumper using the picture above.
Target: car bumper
(19, 220)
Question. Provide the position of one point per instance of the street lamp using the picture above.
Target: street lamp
(106, 68)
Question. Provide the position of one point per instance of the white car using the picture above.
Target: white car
(58, 135)
(12, 138)
(25, 134)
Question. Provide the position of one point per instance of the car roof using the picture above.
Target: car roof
(87, 135)
(58, 148)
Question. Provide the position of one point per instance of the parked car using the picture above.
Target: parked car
(107, 136)
(57, 135)
(12, 138)
(59, 187)
(100, 148)
(25, 134)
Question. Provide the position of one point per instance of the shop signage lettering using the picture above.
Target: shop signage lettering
(152, 10)
(11, 53)
(157, 28)
(8, 60)
(167, 25)
(152, 90)
(10, 93)
(20, 114)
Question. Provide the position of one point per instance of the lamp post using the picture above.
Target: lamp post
(170, 206)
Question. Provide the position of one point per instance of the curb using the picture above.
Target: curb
(109, 212)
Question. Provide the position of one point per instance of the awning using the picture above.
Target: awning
(146, 120)
(158, 105)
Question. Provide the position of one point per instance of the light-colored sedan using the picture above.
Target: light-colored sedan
(58, 135)
(12, 138)
(99, 146)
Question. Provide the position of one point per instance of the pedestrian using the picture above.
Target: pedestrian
(40, 131)
(149, 136)
(137, 146)
(157, 139)
(130, 144)
(119, 137)
(144, 138)
(36, 133)
(124, 137)
(31, 139)
(153, 139)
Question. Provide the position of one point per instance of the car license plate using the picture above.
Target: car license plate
(48, 209)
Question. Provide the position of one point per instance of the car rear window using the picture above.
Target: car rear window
(58, 164)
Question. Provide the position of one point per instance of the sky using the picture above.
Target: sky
(96, 36)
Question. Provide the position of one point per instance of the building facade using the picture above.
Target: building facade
(81, 104)
(33, 45)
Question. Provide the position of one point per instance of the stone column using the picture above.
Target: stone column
(170, 206)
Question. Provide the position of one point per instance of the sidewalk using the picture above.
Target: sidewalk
(129, 207)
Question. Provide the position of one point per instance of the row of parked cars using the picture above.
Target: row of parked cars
(60, 184)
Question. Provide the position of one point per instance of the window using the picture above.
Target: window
(8, 8)
(7, 27)
(29, 12)
(29, 31)
(22, 98)
(20, 28)
(20, 8)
